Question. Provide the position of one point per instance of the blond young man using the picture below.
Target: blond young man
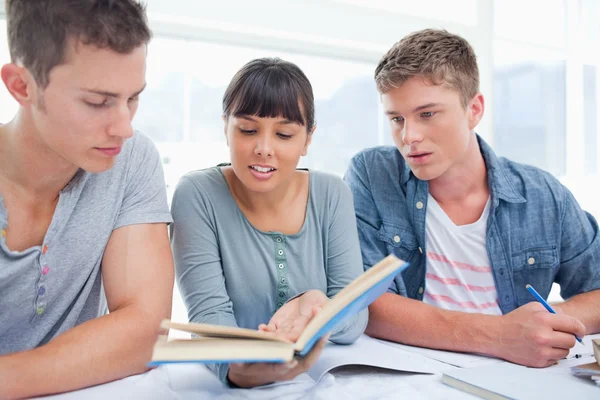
(83, 208)
(476, 228)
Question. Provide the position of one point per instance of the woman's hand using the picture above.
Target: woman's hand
(257, 374)
(291, 319)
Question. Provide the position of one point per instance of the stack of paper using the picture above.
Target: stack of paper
(592, 369)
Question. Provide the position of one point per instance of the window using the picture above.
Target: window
(181, 108)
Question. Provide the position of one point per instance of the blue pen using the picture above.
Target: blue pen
(541, 300)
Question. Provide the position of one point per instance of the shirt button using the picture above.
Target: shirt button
(45, 270)
(44, 249)
(421, 290)
(419, 205)
(501, 271)
(280, 252)
(282, 280)
(3, 233)
(40, 310)
(279, 304)
(397, 239)
(281, 266)
(506, 298)
(41, 290)
(281, 294)
(420, 250)
(278, 240)
(531, 261)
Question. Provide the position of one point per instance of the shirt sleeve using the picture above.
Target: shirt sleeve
(368, 220)
(579, 270)
(344, 260)
(145, 197)
(198, 267)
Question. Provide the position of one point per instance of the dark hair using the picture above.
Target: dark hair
(271, 87)
(440, 56)
(39, 30)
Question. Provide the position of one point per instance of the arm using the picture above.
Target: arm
(344, 261)
(586, 308)
(579, 272)
(400, 319)
(137, 271)
(198, 262)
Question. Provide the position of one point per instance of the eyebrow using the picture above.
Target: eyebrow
(284, 122)
(113, 94)
(419, 108)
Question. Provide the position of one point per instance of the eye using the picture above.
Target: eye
(96, 105)
(247, 131)
(284, 136)
(133, 99)
(427, 114)
(397, 120)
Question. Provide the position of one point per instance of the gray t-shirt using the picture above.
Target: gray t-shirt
(46, 290)
(230, 273)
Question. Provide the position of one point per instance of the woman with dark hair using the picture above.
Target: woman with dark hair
(259, 243)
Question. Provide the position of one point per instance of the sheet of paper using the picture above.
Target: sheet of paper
(462, 360)
(370, 352)
(518, 382)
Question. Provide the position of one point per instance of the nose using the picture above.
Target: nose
(411, 133)
(264, 146)
(120, 124)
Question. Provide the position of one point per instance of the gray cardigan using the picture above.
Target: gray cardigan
(230, 273)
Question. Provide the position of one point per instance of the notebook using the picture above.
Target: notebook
(219, 344)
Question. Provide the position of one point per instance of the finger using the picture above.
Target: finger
(561, 340)
(263, 327)
(315, 310)
(557, 354)
(565, 323)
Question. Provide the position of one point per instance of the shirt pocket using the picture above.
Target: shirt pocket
(534, 266)
(400, 241)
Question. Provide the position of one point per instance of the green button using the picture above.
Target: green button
(40, 310)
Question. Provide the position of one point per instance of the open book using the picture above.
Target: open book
(220, 344)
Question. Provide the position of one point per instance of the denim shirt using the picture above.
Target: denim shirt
(536, 232)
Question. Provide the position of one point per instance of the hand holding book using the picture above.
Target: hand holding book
(246, 375)
(291, 319)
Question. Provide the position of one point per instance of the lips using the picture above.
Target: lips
(109, 151)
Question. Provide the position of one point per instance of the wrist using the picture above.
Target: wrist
(481, 332)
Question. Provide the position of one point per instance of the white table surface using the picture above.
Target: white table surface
(190, 381)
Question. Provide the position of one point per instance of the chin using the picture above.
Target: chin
(425, 174)
(97, 167)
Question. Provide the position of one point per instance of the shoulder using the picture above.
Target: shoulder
(207, 181)
(531, 182)
(379, 155)
(325, 184)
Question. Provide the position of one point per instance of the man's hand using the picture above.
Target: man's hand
(291, 319)
(532, 336)
(257, 374)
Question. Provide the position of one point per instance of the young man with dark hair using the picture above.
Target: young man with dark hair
(83, 209)
(476, 228)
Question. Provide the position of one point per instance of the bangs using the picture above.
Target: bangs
(269, 94)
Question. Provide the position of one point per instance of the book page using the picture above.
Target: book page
(462, 360)
(209, 330)
(366, 288)
(369, 352)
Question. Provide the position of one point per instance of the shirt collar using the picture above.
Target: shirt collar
(500, 186)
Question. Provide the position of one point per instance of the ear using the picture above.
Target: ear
(19, 83)
(308, 141)
(475, 110)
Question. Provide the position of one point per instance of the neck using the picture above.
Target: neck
(259, 202)
(463, 179)
(28, 164)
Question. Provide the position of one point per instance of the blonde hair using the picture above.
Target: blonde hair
(437, 55)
